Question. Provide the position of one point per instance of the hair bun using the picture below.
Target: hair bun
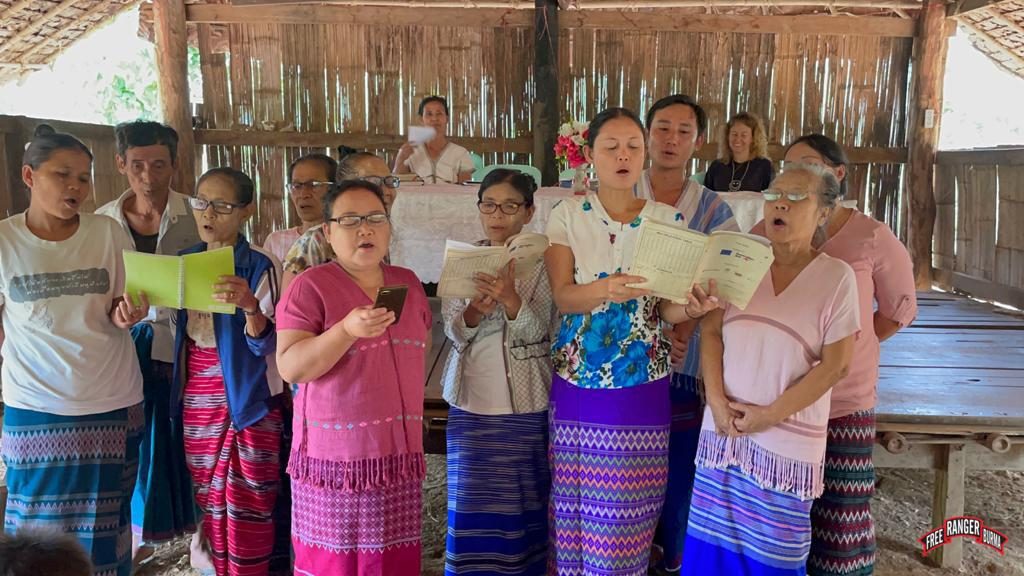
(43, 130)
(345, 151)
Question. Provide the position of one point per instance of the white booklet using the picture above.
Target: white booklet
(462, 261)
(673, 259)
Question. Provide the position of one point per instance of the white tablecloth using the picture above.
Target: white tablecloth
(424, 216)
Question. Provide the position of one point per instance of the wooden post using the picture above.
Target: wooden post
(930, 49)
(172, 67)
(547, 104)
(948, 502)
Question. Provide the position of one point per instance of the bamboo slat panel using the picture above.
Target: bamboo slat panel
(345, 78)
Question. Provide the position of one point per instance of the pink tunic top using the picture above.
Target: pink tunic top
(360, 425)
(769, 347)
(280, 241)
(885, 274)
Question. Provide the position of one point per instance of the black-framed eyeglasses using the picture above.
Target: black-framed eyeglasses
(219, 206)
(385, 181)
(356, 220)
(297, 187)
(509, 208)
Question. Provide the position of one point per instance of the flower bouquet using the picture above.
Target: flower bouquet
(569, 151)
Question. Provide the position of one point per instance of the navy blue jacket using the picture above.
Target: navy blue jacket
(243, 359)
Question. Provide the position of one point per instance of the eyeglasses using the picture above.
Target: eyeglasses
(510, 208)
(775, 195)
(296, 187)
(385, 181)
(354, 220)
(220, 207)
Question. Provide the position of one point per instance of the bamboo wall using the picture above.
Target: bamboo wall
(16, 132)
(979, 242)
(368, 80)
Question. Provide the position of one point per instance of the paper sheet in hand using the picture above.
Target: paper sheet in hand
(672, 259)
(180, 281)
(421, 134)
(462, 261)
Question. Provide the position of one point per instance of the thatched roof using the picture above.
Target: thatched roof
(998, 31)
(34, 32)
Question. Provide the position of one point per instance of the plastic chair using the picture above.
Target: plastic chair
(478, 161)
(567, 174)
(531, 171)
(698, 178)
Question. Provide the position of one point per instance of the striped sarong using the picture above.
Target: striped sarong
(609, 466)
(162, 505)
(498, 485)
(75, 474)
(235, 473)
(740, 529)
(843, 532)
(687, 415)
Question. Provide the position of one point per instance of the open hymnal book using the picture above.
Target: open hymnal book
(180, 281)
(673, 259)
(462, 261)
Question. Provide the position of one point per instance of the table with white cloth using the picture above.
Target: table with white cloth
(424, 216)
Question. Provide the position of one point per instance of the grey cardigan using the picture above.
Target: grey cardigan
(526, 341)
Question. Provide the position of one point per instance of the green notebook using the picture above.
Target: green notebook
(180, 281)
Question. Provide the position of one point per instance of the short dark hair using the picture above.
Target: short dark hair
(680, 100)
(610, 114)
(245, 189)
(523, 183)
(439, 99)
(330, 163)
(145, 133)
(46, 141)
(337, 190)
(830, 151)
(31, 552)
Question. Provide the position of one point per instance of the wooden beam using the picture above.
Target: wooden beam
(547, 104)
(948, 502)
(595, 4)
(980, 288)
(966, 6)
(982, 157)
(36, 24)
(522, 145)
(355, 140)
(926, 109)
(654, 20)
(172, 67)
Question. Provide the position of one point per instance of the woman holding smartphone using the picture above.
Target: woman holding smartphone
(357, 450)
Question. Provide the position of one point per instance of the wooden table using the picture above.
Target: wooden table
(951, 399)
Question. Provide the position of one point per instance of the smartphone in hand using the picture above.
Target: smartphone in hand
(392, 298)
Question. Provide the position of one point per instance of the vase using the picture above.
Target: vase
(580, 185)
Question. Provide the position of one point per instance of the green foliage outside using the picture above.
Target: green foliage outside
(130, 91)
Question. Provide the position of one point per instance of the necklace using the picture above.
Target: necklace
(734, 184)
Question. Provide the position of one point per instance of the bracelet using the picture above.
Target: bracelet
(257, 311)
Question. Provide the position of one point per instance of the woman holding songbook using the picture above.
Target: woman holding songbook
(768, 372)
(497, 380)
(844, 533)
(71, 380)
(228, 390)
(357, 462)
(609, 398)
(437, 159)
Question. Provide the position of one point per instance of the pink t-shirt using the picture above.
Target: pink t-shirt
(280, 241)
(769, 347)
(885, 274)
(354, 425)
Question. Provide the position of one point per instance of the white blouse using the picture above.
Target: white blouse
(453, 160)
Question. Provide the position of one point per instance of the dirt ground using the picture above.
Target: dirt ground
(901, 509)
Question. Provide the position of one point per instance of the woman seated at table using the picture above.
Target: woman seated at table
(768, 372)
(497, 380)
(357, 460)
(312, 248)
(743, 162)
(438, 160)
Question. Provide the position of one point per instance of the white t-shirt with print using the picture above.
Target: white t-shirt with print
(62, 353)
(453, 160)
